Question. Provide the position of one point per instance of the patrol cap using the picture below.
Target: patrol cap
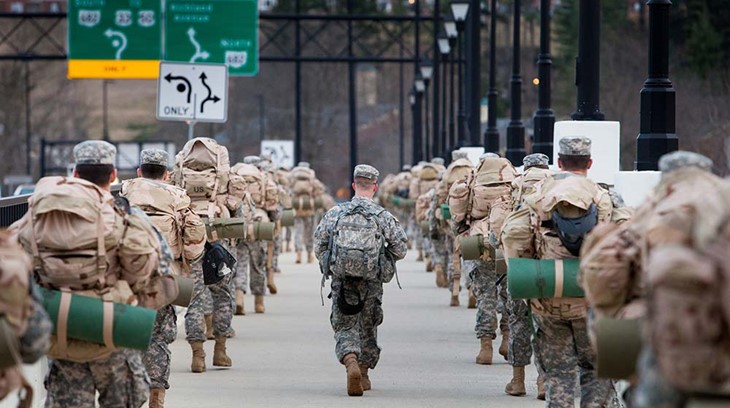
(157, 157)
(265, 156)
(681, 159)
(95, 152)
(488, 155)
(252, 160)
(439, 161)
(366, 171)
(535, 159)
(422, 162)
(406, 167)
(575, 146)
(303, 164)
(458, 154)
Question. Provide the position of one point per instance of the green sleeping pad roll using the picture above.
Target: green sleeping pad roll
(287, 218)
(618, 344)
(232, 228)
(131, 327)
(305, 203)
(425, 228)
(472, 247)
(185, 291)
(9, 345)
(445, 212)
(543, 278)
(402, 202)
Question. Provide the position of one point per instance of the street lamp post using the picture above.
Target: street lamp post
(544, 116)
(416, 145)
(460, 10)
(658, 134)
(420, 86)
(444, 49)
(516, 130)
(588, 64)
(426, 70)
(491, 135)
(451, 34)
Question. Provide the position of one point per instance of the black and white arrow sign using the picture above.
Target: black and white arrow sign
(192, 92)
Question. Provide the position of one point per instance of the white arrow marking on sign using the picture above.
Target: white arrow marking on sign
(119, 41)
(199, 52)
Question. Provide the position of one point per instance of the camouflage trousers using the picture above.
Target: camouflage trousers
(304, 233)
(221, 295)
(653, 391)
(563, 349)
(251, 263)
(502, 302)
(277, 252)
(452, 259)
(483, 276)
(440, 252)
(287, 234)
(358, 333)
(157, 358)
(120, 379)
(520, 333)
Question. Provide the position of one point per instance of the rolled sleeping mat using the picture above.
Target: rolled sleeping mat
(445, 212)
(306, 203)
(9, 345)
(232, 228)
(402, 202)
(473, 247)
(185, 291)
(618, 344)
(543, 278)
(425, 227)
(131, 325)
(287, 218)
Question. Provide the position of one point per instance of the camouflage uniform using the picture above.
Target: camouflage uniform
(358, 333)
(222, 300)
(483, 278)
(158, 355)
(303, 233)
(251, 258)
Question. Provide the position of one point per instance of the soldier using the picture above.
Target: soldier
(552, 225)
(424, 180)
(169, 209)
(357, 244)
(439, 163)
(304, 190)
(535, 168)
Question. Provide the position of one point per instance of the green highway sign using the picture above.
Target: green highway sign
(114, 38)
(214, 32)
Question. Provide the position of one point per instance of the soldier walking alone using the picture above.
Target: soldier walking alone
(357, 244)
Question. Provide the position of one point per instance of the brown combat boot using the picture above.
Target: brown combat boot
(440, 276)
(364, 379)
(310, 257)
(504, 345)
(259, 304)
(454, 301)
(516, 387)
(420, 256)
(429, 264)
(472, 300)
(540, 387)
(157, 398)
(209, 327)
(299, 257)
(198, 364)
(485, 352)
(220, 358)
(271, 285)
(354, 378)
(240, 310)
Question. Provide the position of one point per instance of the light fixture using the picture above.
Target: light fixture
(450, 28)
(443, 44)
(419, 84)
(411, 98)
(426, 69)
(460, 8)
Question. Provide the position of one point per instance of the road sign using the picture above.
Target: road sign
(192, 92)
(213, 31)
(281, 152)
(114, 39)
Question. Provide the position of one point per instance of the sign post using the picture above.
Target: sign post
(213, 31)
(114, 39)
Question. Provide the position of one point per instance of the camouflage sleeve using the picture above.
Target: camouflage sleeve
(36, 340)
(323, 232)
(395, 236)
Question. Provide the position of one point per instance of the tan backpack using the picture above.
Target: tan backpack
(247, 184)
(302, 182)
(15, 309)
(458, 170)
(202, 169)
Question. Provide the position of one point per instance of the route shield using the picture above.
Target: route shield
(192, 92)
(114, 39)
(213, 31)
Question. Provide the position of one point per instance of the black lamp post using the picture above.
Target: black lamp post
(460, 10)
(444, 49)
(491, 135)
(516, 130)
(544, 116)
(426, 70)
(588, 63)
(658, 133)
(452, 34)
(420, 87)
(416, 146)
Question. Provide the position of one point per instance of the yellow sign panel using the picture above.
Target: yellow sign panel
(113, 69)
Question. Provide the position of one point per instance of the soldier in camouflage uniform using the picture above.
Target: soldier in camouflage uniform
(562, 344)
(164, 202)
(304, 225)
(356, 334)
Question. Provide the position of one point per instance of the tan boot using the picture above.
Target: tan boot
(540, 388)
(454, 301)
(410, 244)
(310, 257)
(354, 378)
(259, 304)
(485, 352)
(220, 358)
(472, 300)
(271, 285)
(516, 386)
(299, 257)
(440, 276)
(429, 264)
(209, 327)
(504, 345)
(240, 310)
(364, 379)
(157, 398)
(420, 256)
(198, 364)
(287, 247)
